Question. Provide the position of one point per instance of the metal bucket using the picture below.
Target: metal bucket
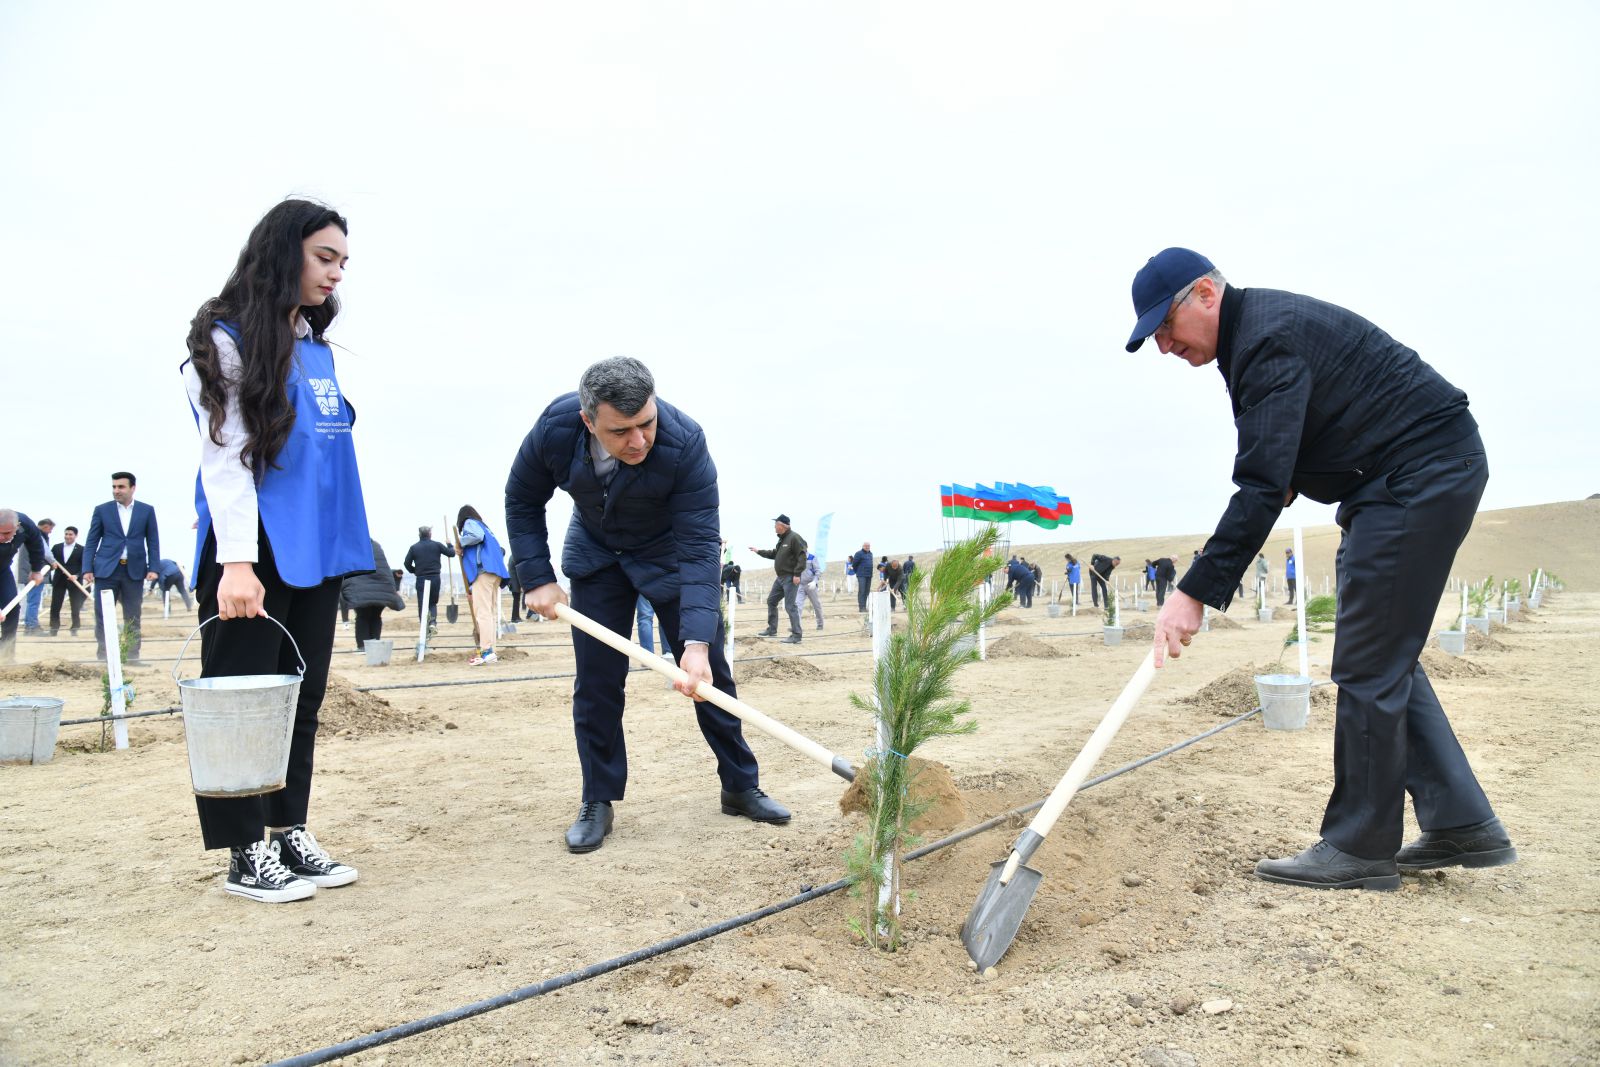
(1113, 634)
(238, 728)
(378, 652)
(1453, 641)
(28, 729)
(1285, 700)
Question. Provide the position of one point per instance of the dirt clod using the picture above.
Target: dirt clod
(783, 669)
(931, 784)
(1022, 646)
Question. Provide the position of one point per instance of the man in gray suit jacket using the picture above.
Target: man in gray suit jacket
(119, 554)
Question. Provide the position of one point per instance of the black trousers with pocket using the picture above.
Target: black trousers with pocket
(1391, 736)
(256, 646)
(609, 598)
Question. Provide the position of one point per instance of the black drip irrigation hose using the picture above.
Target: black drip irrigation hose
(595, 970)
(116, 718)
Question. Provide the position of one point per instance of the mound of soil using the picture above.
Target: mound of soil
(932, 784)
(1477, 642)
(1222, 622)
(1133, 632)
(1439, 664)
(348, 713)
(48, 670)
(747, 640)
(1005, 620)
(1231, 694)
(783, 669)
(1021, 646)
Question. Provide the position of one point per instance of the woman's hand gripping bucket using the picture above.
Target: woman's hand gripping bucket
(238, 728)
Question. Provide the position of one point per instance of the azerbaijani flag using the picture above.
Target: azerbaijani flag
(1006, 502)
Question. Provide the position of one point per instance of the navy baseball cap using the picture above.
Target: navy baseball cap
(783, 519)
(1157, 282)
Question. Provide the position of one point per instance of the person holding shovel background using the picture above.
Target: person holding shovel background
(1331, 406)
(282, 518)
(644, 520)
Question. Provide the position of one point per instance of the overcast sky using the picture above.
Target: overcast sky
(869, 247)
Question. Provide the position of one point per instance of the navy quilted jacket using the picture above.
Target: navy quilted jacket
(658, 519)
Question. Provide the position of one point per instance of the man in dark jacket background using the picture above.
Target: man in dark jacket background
(1100, 568)
(422, 560)
(1329, 405)
(865, 575)
(17, 532)
(788, 558)
(1166, 572)
(644, 522)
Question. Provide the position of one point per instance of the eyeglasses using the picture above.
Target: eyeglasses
(1177, 302)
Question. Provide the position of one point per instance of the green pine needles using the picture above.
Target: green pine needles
(916, 702)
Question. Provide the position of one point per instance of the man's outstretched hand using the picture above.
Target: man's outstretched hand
(1177, 624)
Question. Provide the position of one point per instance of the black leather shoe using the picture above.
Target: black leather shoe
(792, 639)
(766, 633)
(1324, 867)
(594, 823)
(1484, 844)
(754, 804)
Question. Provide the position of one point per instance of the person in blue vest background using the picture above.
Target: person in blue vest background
(120, 554)
(1074, 573)
(483, 566)
(1289, 573)
(644, 520)
(282, 520)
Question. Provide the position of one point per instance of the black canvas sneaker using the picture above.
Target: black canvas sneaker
(306, 859)
(255, 871)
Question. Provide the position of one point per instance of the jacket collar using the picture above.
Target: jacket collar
(1228, 328)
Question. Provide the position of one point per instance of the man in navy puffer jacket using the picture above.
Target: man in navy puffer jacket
(644, 521)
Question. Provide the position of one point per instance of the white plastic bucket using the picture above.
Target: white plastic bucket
(378, 652)
(1053, 610)
(1113, 634)
(1479, 623)
(28, 729)
(1453, 641)
(238, 728)
(1264, 615)
(1285, 700)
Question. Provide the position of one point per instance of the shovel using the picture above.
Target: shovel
(732, 705)
(997, 913)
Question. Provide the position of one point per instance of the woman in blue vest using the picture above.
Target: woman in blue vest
(483, 565)
(281, 518)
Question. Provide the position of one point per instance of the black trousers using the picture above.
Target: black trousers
(863, 590)
(1391, 737)
(128, 592)
(64, 589)
(8, 589)
(178, 584)
(785, 592)
(1162, 585)
(433, 595)
(598, 695)
(1097, 588)
(1291, 582)
(256, 646)
(369, 624)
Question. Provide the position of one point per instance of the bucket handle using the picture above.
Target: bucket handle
(214, 618)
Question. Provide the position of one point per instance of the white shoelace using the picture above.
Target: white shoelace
(306, 844)
(265, 858)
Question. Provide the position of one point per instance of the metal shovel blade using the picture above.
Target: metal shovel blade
(451, 613)
(997, 914)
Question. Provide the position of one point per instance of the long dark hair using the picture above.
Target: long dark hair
(468, 512)
(257, 299)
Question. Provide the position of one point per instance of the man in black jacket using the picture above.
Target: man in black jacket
(1166, 572)
(1329, 405)
(865, 575)
(1100, 568)
(422, 560)
(70, 555)
(788, 558)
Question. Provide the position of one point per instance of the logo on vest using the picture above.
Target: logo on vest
(327, 393)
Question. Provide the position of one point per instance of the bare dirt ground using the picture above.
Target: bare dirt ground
(1149, 943)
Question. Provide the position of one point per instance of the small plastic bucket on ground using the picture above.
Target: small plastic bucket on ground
(1495, 615)
(1113, 634)
(1285, 700)
(1053, 610)
(964, 644)
(1479, 623)
(1264, 615)
(1453, 641)
(238, 728)
(28, 729)
(378, 652)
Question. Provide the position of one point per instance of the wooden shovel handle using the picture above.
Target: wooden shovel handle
(1095, 747)
(732, 705)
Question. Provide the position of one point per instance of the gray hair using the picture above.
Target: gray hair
(8, 517)
(424, 532)
(1215, 277)
(621, 381)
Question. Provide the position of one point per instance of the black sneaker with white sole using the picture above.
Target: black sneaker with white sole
(309, 860)
(255, 871)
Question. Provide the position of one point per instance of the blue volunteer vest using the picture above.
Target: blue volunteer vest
(483, 556)
(310, 501)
